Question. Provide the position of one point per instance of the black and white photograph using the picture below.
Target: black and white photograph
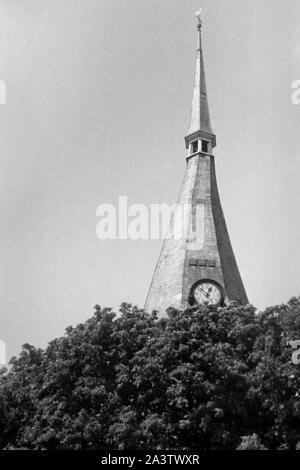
(150, 220)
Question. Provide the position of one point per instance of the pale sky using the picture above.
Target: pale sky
(97, 106)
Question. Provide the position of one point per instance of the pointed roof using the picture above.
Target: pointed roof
(200, 120)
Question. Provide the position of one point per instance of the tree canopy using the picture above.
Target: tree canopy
(205, 378)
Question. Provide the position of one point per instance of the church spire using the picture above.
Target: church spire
(200, 125)
(197, 265)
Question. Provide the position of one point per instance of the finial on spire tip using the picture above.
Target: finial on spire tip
(198, 15)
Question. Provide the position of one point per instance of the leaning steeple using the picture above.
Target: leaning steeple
(200, 125)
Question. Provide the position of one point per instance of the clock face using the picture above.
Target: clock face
(207, 293)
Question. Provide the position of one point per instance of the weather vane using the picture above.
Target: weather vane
(198, 15)
(199, 26)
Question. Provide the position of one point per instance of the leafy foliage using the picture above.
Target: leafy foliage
(251, 443)
(205, 378)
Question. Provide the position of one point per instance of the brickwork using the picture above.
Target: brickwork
(209, 248)
(233, 282)
(166, 286)
(174, 274)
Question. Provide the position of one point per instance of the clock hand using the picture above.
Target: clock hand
(202, 290)
(207, 292)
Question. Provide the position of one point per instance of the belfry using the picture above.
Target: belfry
(197, 264)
